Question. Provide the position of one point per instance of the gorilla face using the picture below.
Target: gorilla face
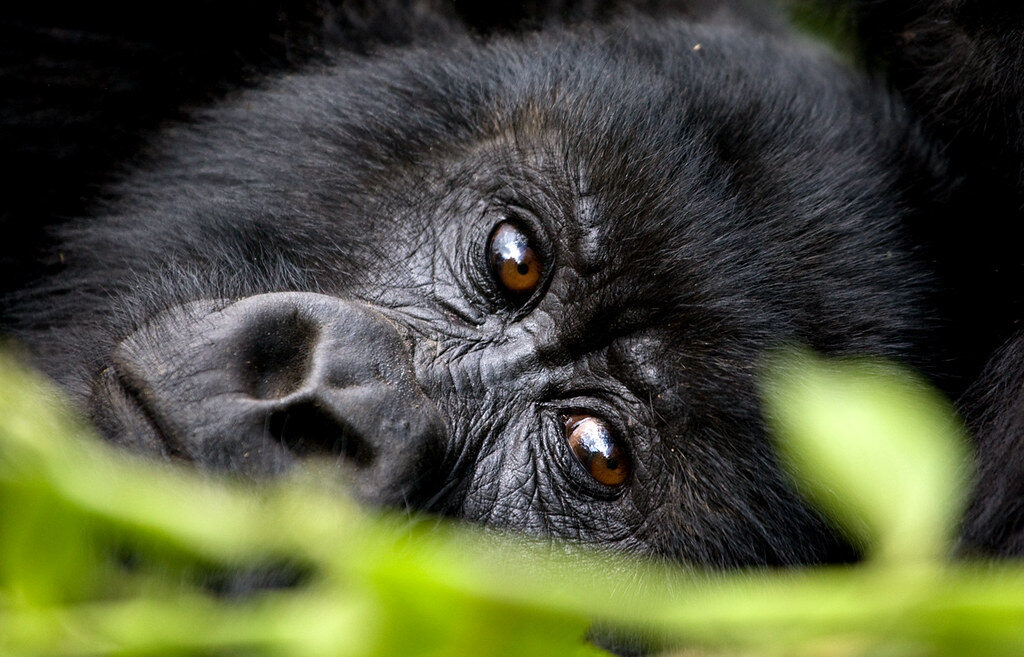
(526, 283)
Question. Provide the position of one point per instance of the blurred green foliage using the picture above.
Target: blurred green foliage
(828, 21)
(105, 554)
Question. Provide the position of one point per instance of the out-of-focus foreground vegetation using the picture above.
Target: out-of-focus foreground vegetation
(105, 554)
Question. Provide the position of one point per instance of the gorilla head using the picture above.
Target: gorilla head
(525, 281)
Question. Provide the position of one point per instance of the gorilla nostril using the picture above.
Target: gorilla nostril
(307, 429)
(278, 355)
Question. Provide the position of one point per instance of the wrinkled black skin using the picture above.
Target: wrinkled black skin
(695, 208)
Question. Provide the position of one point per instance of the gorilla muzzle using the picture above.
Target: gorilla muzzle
(256, 384)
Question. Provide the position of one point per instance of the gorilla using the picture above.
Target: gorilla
(518, 265)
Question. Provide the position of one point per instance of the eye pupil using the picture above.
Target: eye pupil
(595, 447)
(514, 262)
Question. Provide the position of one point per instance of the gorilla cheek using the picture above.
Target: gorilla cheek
(514, 483)
(276, 377)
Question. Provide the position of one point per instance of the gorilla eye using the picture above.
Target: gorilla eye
(595, 447)
(514, 261)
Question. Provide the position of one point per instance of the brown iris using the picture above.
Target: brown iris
(596, 448)
(514, 262)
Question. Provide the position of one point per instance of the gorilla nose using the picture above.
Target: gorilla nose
(256, 384)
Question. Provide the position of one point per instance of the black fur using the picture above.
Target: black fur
(703, 184)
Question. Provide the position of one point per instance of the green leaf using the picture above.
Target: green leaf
(403, 585)
(875, 447)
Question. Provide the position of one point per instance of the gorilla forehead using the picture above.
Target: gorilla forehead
(738, 179)
(744, 136)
